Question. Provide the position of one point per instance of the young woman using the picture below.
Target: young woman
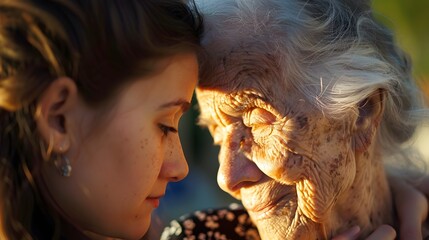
(91, 93)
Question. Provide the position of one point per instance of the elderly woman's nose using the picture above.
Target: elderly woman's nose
(235, 170)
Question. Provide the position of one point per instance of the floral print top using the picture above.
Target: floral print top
(220, 224)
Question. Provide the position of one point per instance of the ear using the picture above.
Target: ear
(52, 114)
(370, 114)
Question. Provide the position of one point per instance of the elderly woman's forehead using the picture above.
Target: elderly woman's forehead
(244, 60)
(243, 99)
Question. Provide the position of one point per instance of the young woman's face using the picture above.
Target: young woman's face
(121, 165)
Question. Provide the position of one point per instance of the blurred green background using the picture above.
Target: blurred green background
(409, 19)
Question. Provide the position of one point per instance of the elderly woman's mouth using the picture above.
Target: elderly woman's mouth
(273, 204)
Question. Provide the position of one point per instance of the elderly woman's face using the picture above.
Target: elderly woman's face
(279, 154)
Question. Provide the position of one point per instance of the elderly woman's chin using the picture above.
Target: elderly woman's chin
(279, 215)
(291, 212)
(318, 204)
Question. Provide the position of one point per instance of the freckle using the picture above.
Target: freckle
(366, 154)
(332, 170)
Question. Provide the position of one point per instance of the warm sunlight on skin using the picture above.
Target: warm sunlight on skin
(295, 170)
(123, 159)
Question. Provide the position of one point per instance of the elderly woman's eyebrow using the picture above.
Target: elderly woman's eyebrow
(241, 101)
(233, 105)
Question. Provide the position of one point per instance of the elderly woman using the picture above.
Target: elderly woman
(307, 100)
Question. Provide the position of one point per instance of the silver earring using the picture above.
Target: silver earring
(63, 165)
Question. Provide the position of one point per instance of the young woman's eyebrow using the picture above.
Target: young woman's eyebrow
(183, 104)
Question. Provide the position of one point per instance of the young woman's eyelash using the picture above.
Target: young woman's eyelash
(167, 129)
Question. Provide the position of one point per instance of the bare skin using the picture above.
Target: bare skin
(299, 174)
(412, 209)
(414, 195)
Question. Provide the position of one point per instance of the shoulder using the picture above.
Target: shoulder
(225, 223)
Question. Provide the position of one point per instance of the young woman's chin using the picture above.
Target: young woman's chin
(137, 231)
(131, 232)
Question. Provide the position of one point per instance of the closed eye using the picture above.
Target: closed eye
(166, 129)
(258, 116)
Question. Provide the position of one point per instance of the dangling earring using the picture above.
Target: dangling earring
(65, 167)
(63, 164)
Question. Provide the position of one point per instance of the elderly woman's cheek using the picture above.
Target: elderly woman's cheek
(274, 159)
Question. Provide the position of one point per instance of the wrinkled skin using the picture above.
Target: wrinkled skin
(300, 174)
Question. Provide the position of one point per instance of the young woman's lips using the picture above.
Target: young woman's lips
(154, 201)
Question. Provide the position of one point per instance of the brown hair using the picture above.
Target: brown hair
(100, 44)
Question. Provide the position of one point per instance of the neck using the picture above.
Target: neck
(71, 232)
(368, 202)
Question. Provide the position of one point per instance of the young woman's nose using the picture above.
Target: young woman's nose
(235, 170)
(175, 166)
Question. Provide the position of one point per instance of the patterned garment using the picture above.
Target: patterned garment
(220, 224)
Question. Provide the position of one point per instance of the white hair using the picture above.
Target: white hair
(331, 51)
